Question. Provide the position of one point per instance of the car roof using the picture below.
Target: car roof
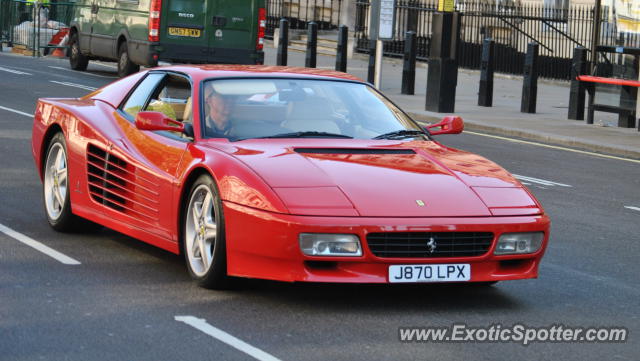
(114, 95)
(200, 72)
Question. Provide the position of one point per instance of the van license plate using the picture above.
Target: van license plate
(192, 33)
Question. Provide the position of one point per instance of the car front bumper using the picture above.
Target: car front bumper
(264, 245)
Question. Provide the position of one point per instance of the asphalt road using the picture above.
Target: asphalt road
(120, 303)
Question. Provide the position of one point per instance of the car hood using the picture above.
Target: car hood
(333, 177)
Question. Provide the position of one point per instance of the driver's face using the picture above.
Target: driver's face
(219, 110)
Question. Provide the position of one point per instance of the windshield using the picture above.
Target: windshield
(239, 109)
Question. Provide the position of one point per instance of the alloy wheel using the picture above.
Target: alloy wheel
(200, 230)
(55, 181)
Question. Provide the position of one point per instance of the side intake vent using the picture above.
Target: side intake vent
(116, 184)
(352, 151)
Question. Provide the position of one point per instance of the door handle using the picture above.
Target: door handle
(219, 21)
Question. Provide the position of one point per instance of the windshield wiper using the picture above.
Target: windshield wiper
(307, 134)
(399, 134)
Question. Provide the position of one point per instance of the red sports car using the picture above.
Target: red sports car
(283, 173)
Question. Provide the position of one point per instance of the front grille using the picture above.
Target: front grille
(419, 245)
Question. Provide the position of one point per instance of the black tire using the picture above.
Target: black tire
(125, 65)
(215, 276)
(77, 60)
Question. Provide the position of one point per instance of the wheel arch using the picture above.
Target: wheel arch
(53, 129)
(123, 37)
(190, 179)
(73, 30)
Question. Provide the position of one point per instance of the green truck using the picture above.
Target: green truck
(143, 32)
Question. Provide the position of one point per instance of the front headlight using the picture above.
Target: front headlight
(519, 243)
(323, 244)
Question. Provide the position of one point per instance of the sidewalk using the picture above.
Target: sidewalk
(548, 125)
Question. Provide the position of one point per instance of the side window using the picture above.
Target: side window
(173, 99)
(138, 99)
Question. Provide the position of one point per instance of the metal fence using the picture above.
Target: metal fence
(34, 27)
(558, 31)
(326, 13)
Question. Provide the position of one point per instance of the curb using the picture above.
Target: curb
(546, 138)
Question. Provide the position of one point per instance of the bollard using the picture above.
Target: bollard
(409, 66)
(487, 65)
(442, 77)
(629, 95)
(577, 90)
(441, 85)
(371, 71)
(530, 81)
(341, 52)
(283, 43)
(312, 45)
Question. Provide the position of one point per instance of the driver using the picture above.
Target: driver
(217, 109)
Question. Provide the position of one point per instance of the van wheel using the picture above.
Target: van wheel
(125, 65)
(77, 60)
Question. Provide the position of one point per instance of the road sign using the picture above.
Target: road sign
(387, 16)
(446, 5)
(383, 19)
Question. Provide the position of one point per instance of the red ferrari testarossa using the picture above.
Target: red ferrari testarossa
(283, 173)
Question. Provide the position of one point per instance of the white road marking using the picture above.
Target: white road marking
(230, 340)
(633, 208)
(105, 65)
(14, 71)
(84, 73)
(38, 246)
(17, 112)
(85, 87)
(554, 147)
(540, 181)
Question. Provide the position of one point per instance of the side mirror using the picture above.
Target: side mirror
(158, 121)
(448, 125)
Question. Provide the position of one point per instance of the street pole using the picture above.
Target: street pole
(378, 71)
(381, 27)
(595, 36)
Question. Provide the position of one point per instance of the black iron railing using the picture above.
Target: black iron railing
(326, 13)
(36, 27)
(558, 31)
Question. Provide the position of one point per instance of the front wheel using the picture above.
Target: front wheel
(57, 202)
(203, 236)
(77, 60)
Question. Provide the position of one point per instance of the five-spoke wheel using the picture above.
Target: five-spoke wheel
(56, 185)
(203, 235)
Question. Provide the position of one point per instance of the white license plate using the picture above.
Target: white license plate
(458, 272)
